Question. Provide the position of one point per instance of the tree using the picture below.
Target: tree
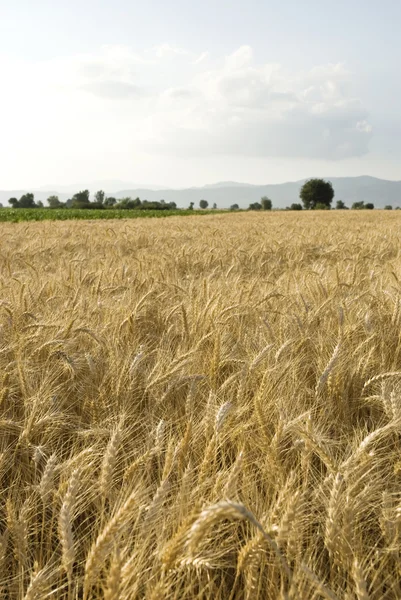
(316, 191)
(27, 201)
(110, 201)
(203, 204)
(255, 206)
(234, 207)
(340, 205)
(126, 203)
(321, 206)
(54, 202)
(388, 207)
(191, 206)
(361, 205)
(266, 203)
(40, 204)
(214, 206)
(296, 206)
(99, 197)
(80, 199)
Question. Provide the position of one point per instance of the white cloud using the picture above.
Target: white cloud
(169, 101)
(240, 58)
(168, 51)
(261, 110)
(364, 126)
(201, 58)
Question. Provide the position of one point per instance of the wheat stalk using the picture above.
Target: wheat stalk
(101, 546)
(65, 526)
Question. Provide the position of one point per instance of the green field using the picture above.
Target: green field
(63, 214)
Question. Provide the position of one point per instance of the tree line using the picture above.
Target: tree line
(101, 201)
(315, 194)
(82, 200)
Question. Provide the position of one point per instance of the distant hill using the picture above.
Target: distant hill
(110, 185)
(348, 189)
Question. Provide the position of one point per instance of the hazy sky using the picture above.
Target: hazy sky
(177, 93)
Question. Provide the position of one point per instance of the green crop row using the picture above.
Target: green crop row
(63, 214)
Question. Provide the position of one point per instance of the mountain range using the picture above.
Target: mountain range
(224, 194)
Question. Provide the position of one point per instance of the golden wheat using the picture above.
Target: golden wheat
(201, 408)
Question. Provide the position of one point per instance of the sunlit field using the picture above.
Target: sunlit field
(201, 408)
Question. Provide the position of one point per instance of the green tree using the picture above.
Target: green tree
(191, 206)
(14, 202)
(126, 202)
(296, 206)
(27, 201)
(214, 206)
(358, 205)
(255, 206)
(136, 203)
(110, 201)
(81, 199)
(388, 207)
(234, 207)
(40, 204)
(266, 203)
(100, 197)
(369, 206)
(316, 191)
(54, 202)
(203, 204)
(340, 205)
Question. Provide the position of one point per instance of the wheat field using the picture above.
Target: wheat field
(201, 408)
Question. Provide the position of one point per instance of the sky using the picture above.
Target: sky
(177, 93)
